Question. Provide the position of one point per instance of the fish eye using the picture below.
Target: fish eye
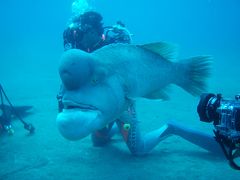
(94, 81)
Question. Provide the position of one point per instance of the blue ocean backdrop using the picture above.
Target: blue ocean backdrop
(31, 44)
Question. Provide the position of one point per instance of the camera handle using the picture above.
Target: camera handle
(229, 153)
(27, 126)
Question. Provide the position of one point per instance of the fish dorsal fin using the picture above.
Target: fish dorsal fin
(160, 94)
(165, 50)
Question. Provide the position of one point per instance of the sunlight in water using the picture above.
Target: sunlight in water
(80, 6)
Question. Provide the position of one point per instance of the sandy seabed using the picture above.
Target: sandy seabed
(47, 155)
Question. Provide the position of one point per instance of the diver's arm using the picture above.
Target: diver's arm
(70, 38)
(66, 39)
(117, 34)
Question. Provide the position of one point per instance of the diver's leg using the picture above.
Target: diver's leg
(129, 128)
(204, 140)
(103, 136)
(139, 145)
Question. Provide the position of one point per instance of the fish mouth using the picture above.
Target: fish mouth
(81, 106)
(78, 120)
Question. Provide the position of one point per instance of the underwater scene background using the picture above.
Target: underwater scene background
(30, 49)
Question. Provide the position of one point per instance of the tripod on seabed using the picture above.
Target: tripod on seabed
(5, 117)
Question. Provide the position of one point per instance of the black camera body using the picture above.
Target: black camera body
(225, 115)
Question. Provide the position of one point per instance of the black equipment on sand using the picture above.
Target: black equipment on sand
(3, 97)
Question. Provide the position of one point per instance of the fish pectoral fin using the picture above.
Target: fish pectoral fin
(161, 94)
(165, 50)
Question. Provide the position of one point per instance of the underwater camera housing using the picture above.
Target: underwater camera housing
(225, 115)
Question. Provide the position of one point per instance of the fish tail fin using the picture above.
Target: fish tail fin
(192, 74)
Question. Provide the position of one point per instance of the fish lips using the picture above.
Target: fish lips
(76, 123)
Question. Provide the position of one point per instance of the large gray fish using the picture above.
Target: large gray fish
(97, 87)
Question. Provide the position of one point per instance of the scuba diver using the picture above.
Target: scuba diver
(86, 32)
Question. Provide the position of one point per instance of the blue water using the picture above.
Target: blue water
(31, 44)
(33, 29)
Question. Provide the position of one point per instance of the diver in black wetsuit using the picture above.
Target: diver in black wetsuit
(86, 32)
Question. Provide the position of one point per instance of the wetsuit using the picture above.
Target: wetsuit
(75, 38)
(128, 126)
